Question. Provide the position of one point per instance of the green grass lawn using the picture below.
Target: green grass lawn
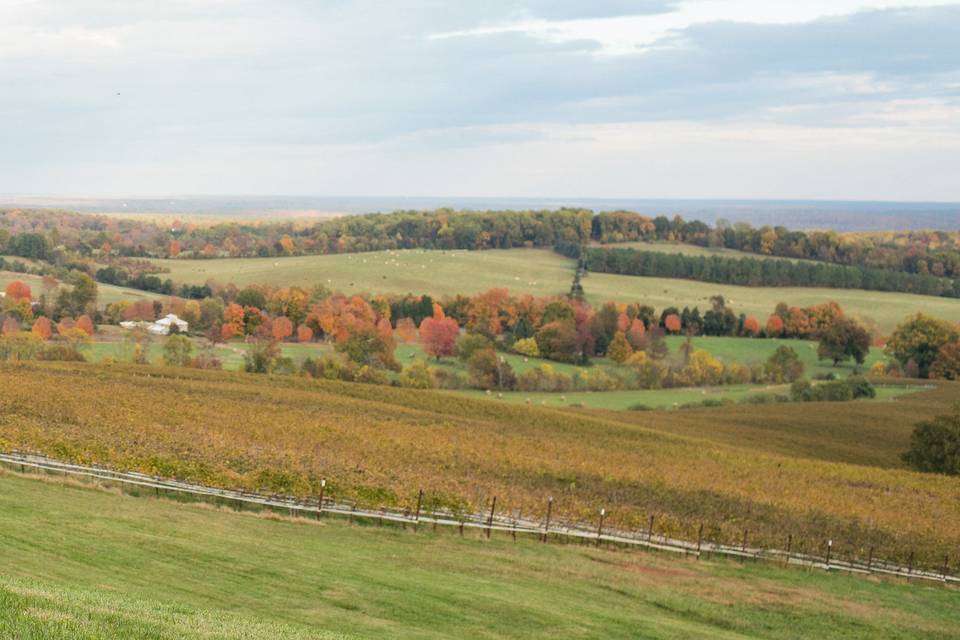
(84, 563)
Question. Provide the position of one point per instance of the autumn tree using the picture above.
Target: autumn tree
(177, 351)
(775, 326)
(406, 330)
(233, 318)
(439, 337)
(784, 365)
(635, 334)
(619, 349)
(947, 363)
(672, 323)
(918, 340)
(304, 333)
(85, 324)
(281, 328)
(364, 344)
(18, 291)
(842, 340)
(42, 328)
(751, 326)
(10, 327)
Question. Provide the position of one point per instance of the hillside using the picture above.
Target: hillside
(380, 445)
(82, 563)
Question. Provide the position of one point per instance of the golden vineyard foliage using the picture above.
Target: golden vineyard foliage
(380, 445)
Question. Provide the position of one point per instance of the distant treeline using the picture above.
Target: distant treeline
(754, 272)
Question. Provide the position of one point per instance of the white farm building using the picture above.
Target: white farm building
(161, 327)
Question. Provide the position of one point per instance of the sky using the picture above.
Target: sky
(819, 99)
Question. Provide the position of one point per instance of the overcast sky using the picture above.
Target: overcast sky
(830, 99)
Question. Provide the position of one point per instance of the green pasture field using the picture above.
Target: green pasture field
(690, 250)
(86, 563)
(658, 398)
(540, 272)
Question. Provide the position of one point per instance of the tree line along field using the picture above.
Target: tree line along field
(538, 272)
(122, 567)
(380, 445)
(111, 346)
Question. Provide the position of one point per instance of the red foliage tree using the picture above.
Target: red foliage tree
(18, 291)
(751, 326)
(439, 336)
(775, 326)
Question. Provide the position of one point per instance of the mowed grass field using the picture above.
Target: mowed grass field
(87, 563)
(381, 445)
(539, 272)
(536, 271)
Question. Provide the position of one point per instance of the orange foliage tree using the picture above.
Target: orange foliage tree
(775, 325)
(751, 326)
(85, 324)
(672, 323)
(304, 333)
(42, 328)
(281, 328)
(406, 330)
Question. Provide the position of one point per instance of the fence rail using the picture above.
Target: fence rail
(488, 521)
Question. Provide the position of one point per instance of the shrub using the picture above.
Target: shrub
(418, 376)
(470, 343)
(935, 445)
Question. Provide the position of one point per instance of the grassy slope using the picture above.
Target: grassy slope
(536, 271)
(81, 563)
(690, 250)
(106, 293)
(381, 445)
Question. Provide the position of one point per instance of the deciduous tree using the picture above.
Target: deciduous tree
(439, 336)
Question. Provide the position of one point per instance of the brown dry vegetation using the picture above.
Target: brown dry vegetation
(380, 445)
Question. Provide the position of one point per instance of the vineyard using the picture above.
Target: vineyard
(379, 446)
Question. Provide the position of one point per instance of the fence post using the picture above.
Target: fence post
(546, 526)
(603, 512)
(910, 563)
(870, 560)
(323, 488)
(789, 547)
(650, 529)
(829, 549)
(699, 540)
(493, 506)
(461, 528)
(946, 559)
(416, 518)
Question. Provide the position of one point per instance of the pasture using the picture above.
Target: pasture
(535, 271)
(380, 445)
(86, 563)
